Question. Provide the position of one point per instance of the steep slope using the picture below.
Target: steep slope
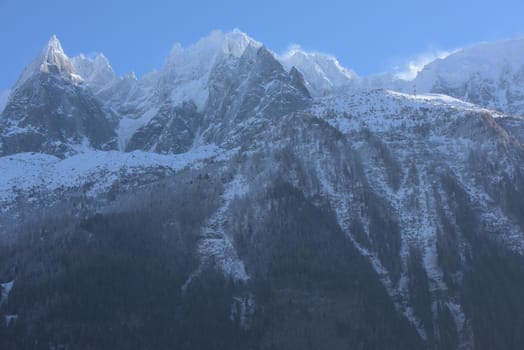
(367, 196)
(4, 97)
(442, 176)
(248, 91)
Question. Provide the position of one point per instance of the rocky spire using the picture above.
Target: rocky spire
(51, 60)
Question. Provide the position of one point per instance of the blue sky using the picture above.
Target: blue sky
(368, 36)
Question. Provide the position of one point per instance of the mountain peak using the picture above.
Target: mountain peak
(217, 42)
(321, 71)
(54, 44)
(51, 60)
(188, 68)
(236, 41)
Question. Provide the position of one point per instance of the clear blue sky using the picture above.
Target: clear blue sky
(368, 36)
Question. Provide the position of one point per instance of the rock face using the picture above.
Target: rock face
(171, 130)
(247, 90)
(217, 203)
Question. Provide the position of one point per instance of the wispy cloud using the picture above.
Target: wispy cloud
(290, 51)
(413, 66)
(321, 61)
(293, 49)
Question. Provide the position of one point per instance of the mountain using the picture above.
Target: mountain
(49, 111)
(489, 74)
(237, 199)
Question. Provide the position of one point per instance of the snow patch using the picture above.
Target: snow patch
(42, 173)
(216, 245)
(242, 308)
(458, 315)
(128, 127)
(5, 289)
(10, 320)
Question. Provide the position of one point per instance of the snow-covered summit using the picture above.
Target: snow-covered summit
(186, 71)
(233, 43)
(487, 60)
(489, 74)
(95, 70)
(322, 72)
